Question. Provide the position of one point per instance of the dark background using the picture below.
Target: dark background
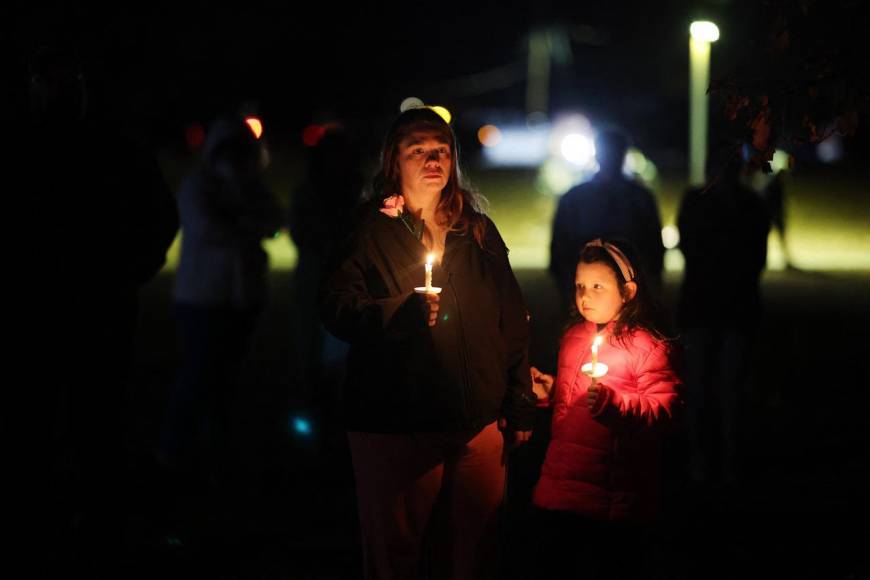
(154, 68)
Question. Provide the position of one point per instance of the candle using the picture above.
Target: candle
(595, 344)
(429, 259)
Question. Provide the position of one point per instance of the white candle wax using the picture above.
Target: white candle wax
(429, 260)
(595, 343)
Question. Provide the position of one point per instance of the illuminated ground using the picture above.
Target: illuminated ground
(828, 215)
(828, 218)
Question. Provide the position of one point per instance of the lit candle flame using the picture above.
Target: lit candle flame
(596, 343)
(429, 259)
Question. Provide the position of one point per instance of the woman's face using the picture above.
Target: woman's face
(425, 162)
(597, 292)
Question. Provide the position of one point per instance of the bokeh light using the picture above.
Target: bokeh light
(555, 177)
(637, 165)
(830, 150)
(578, 149)
(670, 237)
(255, 125)
(489, 135)
(781, 161)
(194, 136)
(312, 134)
(301, 426)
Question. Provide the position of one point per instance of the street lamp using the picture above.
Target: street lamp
(702, 34)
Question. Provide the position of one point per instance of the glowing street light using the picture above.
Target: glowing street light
(702, 33)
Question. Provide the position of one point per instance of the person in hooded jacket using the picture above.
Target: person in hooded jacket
(220, 291)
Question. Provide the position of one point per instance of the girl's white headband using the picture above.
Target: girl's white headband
(617, 255)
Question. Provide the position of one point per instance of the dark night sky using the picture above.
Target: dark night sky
(161, 65)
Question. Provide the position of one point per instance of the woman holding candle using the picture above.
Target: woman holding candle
(599, 478)
(431, 375)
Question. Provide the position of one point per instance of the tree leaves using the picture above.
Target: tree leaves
(806, 80)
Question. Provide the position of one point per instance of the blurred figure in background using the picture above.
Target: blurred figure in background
(106, 219)
(220, 292)
(723, 236)
(608, 206)
(322, 212)
(774, 195)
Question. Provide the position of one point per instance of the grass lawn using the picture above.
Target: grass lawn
(828, 214)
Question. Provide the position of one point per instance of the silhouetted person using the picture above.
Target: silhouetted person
(774, 195)
(322, 212)
(106, 219)
(608, 206)
(220, 292)
(723, 236)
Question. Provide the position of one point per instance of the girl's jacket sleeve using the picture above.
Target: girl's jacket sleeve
(655, 402)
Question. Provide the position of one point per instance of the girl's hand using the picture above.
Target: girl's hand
(542, 383)
(592, 394)
(432, 303)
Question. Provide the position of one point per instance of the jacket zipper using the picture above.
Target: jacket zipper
(464, 348)
(416, 232)
(466, 379)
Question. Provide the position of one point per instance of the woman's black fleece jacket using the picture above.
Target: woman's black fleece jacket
(404, 376)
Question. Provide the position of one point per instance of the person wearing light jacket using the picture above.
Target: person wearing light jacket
(220, 291)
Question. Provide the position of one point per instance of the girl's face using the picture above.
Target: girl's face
(597, 292)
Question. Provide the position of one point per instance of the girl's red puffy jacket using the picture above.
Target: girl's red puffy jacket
(604, 463)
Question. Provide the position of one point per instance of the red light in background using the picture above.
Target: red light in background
(312, 134)
(194, 136)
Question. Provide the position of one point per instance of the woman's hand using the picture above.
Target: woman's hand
(542, 383)
(432, 303)
(513, 439)
(521, 437)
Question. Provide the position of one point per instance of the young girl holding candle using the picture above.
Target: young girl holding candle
(599, 481)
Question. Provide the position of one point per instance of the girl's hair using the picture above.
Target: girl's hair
(641, 312)
(463, 207)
